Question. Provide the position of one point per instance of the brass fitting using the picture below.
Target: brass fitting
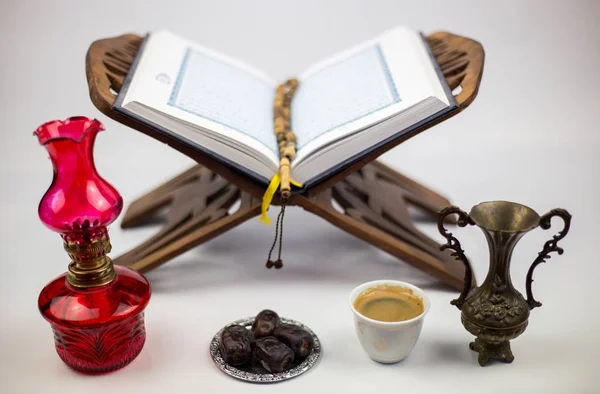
(90, 266)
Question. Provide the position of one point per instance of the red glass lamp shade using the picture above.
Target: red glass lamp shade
(78, 197)
(96, 310)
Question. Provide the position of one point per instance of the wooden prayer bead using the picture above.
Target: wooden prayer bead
(289, 152)
(285, 137)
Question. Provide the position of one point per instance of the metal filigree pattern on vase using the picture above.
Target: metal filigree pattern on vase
(493, 334)
(505, 311)
(257, 374)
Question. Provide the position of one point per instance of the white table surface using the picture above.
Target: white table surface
(532, 136)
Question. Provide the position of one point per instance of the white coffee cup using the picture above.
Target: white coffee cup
(388, 342)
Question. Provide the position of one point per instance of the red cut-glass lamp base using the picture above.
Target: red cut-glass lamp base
(100, 329)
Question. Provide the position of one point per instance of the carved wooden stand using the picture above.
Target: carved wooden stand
(374, 198)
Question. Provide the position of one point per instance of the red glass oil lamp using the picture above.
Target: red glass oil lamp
(96, 309)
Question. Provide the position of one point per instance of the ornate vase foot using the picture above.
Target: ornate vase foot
(487, 350)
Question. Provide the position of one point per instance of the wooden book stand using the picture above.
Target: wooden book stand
(374, 198)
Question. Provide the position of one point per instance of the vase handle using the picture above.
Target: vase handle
(549, 246)
(453, 243)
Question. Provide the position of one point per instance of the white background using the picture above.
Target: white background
(532, 136)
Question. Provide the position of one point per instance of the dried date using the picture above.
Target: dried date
(296, 338)
(273, 355)
(264, 323)
(236, 345)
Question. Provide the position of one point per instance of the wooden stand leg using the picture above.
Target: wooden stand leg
(199, 202)
(374, 205)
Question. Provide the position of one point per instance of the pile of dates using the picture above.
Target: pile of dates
(269, 343)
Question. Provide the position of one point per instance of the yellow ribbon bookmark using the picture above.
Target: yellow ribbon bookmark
(268, 197)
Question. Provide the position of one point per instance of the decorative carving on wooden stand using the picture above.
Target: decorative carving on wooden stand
(195, 205)
(375, 206)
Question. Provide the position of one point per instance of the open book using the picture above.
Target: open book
(344, 108)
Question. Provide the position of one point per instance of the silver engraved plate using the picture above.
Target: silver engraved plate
(257, 374)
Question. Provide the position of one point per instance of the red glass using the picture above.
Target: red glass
(100, 329)
(96, 329)
(78, 197)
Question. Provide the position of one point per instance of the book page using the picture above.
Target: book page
(358, 88)
(199, 86)
(343, 92)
